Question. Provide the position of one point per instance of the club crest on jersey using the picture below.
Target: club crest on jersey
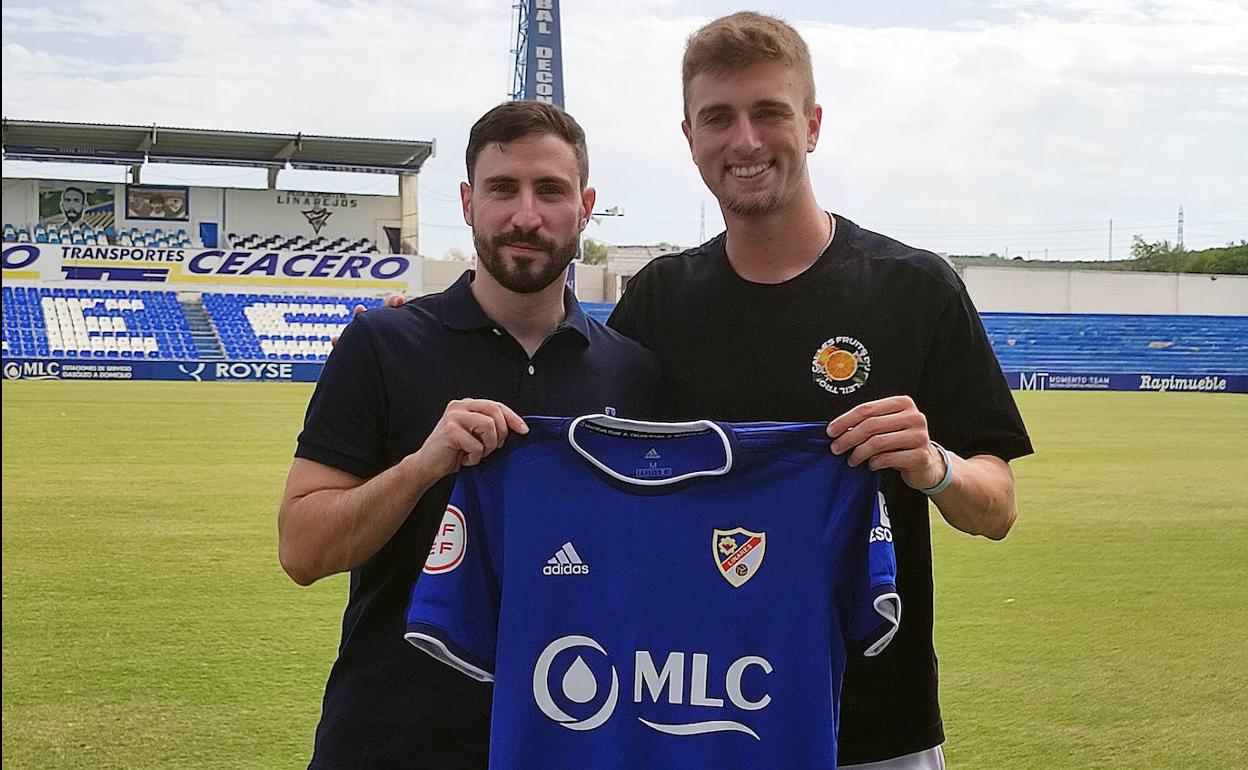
(841, 365)
(738, 553)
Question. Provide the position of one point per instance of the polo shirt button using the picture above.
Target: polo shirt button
(531, 369)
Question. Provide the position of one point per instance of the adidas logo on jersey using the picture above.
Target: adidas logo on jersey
(566, 561)
(653, 454)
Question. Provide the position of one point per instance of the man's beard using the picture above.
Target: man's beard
(749, 206)
(524, 276)
(73, 216)
(759, 203)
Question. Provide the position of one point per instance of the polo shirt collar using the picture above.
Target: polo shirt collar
(460, 309)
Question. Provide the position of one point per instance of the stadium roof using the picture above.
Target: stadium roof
(134, 145)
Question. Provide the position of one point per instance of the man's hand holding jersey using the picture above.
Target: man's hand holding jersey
(889, 433)
(892, 433)
(470, 429)
(332, 521)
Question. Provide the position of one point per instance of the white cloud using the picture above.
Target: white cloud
(1130, 11)
(1033, 122)
(1069, 111)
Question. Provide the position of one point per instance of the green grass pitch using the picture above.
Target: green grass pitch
(147, 624)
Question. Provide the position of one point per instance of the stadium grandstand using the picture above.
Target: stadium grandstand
(300, 243)
(133, 281)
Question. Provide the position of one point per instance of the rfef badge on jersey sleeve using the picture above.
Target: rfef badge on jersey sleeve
(739, 553)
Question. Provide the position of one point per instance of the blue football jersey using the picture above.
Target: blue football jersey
(655, 595)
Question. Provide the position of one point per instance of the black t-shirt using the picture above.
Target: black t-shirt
(871, 318)
(383, 389)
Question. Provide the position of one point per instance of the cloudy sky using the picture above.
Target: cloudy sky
(969, 126)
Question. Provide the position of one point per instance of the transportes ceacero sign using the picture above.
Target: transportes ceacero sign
(214, 266)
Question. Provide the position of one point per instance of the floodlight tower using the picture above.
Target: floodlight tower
(538, 50)
(537, 74)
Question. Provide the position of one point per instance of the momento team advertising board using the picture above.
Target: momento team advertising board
(1159, 382)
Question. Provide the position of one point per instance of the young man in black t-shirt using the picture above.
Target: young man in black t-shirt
(798, 314)
(412, 393)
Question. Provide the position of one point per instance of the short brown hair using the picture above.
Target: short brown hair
(510, 121)
(732, 43)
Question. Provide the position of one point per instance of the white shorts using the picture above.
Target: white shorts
(931, 759)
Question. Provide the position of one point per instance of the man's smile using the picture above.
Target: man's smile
(749, 172)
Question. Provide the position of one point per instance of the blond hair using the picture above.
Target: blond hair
(732, 43)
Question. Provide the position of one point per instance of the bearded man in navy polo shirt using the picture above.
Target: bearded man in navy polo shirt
(411, 394)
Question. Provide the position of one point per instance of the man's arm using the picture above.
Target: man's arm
(332, 521)
(892, 433)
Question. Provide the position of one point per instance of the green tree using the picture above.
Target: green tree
(1163, 257)
(1142, 249)
(593, 252)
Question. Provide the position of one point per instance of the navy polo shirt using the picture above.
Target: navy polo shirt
(383, 389)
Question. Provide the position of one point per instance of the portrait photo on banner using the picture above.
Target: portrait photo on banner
(163, 203)
(75, 204)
